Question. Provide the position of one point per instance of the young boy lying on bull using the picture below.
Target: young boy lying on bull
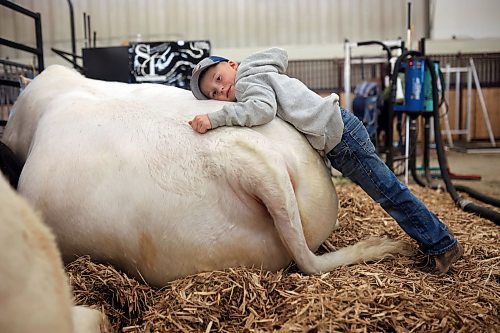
(262, 91)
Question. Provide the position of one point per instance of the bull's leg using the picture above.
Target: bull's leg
(87, 320)
(337, 224)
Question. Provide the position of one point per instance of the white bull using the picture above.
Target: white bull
(34, 292)
(119, 174)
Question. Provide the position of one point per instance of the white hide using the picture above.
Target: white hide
(34, 293)
(120, 175)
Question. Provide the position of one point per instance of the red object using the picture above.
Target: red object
(464, 177)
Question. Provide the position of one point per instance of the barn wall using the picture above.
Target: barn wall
(310, 29)
(228, 24)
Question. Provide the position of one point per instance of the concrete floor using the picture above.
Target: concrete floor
(486, 165)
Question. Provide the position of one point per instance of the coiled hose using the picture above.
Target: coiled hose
(464, 204)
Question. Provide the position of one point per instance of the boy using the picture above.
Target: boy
(262, 91)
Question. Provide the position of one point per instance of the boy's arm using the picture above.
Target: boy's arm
(257, 107)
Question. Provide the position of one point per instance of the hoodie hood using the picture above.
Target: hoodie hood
(271, 60)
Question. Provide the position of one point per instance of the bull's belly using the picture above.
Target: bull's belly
(161, 238)
(161, 252)
(158, 240)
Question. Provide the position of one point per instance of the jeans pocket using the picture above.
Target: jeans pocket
(360, 135)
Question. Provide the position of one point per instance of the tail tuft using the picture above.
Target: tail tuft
(371, 249)
(383, 247)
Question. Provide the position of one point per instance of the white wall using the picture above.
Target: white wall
(309, 29)
(466, 19)
(230, 25)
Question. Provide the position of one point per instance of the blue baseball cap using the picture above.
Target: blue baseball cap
(198, 71)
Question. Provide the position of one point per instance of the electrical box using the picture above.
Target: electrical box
(414, 80)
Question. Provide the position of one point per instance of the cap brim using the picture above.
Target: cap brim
(195, 84)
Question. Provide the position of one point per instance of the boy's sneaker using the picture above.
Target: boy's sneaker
(442, 262)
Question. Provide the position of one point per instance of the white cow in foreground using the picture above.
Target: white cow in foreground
(120, 175)
(34, 291)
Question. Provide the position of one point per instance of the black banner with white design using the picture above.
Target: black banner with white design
(168, 63)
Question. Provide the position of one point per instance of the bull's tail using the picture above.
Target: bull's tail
(370, 249)
(10, 165)
(272, 185)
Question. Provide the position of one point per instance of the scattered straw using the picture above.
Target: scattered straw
(388, 296)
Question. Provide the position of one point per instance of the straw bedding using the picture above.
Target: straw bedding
(387, 296)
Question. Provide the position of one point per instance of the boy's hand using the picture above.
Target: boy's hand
(201, 123)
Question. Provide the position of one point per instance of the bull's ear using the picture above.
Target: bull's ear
(24, 81)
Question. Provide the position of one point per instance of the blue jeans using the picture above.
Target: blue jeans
(356, 158)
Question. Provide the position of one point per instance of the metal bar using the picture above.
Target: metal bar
(59, 52)
(347, 74)
(426, 159)
(388, 43)
(17, 8)
(85, 30)
(455, 69)
(39, 42)
(15, 64)
(469, 109)
(457, 100)
(447, 83)
(408, 33)
(88, 31)
(38, 31)
(407, 147)
(427, 19)
(73, 35)
(458, 131)
(483, 104)
(447, 129)
(369, 61)
(63, 55)
(447, 98)
(18, 46)
(348, 61)
(9, 83)
(375, 42)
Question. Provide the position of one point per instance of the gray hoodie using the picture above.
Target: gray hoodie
(263, 91)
